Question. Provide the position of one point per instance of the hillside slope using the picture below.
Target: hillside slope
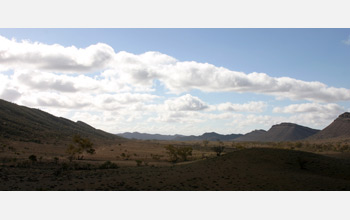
(279, 132)
(338, 129)
(256, 135)
(21, 123)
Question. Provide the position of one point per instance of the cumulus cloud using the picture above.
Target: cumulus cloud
(56, 58)
(140, 72)
(186, 103)
(7, 90)
(179, 77)
(246, 107)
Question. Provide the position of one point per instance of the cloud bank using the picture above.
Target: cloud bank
(140, 71)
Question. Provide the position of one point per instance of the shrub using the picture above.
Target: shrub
(56, 159)
(108, 165)
(205, 143)
(218, 150)
(301, 162)
(125, 156)
(298, 145)
(138, 162)
(155, 157)
(32, 158)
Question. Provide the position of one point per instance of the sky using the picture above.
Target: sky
(179, 81)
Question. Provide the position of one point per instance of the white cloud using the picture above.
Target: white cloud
(312, 114)
(246, 107)
(54, 57)
(310, 108)
(138, 72)
(185, 103)
(7, 90)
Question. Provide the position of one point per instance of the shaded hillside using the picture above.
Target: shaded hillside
(27, 124)
(288, 132)
(338, 129)
(255, 135)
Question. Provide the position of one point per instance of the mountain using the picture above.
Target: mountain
(145, 136)
(279, 132)
(255, 135)
(210, 136)
(288, 132)
(28, 124)
(338, 129)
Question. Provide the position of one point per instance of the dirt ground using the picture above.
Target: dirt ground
(237, 169)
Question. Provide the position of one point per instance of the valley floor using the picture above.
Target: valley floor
(249, 169)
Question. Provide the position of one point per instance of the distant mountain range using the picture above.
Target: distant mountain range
(280, 132)
(28, 124)
(211, 136)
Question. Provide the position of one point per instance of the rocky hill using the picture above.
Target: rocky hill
(279, 132)
(21, 123)
(338, 129)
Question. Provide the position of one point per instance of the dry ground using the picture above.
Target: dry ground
(245, 169)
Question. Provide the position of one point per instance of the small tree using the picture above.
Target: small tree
(175, 153)
(184, 152)
(172, 153)
(78, 147)
(218, 150)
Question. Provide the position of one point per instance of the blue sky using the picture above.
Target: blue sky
(306, 55)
